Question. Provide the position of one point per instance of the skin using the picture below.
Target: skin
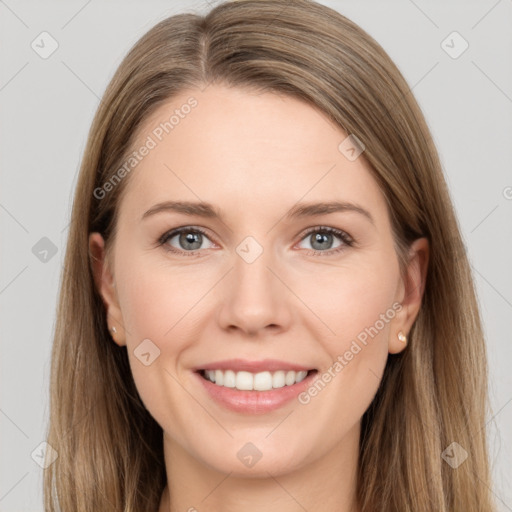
(254, 156)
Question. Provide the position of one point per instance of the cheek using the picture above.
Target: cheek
(155, 303)
(352, 300)
(155, 300)
(357, 305)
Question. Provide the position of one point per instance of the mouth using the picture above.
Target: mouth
(254, 387)
(251, 381)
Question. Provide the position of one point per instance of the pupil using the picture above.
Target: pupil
(320, 237)
(192, 238)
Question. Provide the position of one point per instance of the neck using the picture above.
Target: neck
(328, 484)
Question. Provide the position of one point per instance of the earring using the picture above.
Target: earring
(114, 330)
(402, 337)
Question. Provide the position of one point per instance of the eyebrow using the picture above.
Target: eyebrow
(207, 210)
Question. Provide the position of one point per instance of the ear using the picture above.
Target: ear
(410, 293)
(105, 284)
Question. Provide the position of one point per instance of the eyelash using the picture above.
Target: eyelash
(347, 240)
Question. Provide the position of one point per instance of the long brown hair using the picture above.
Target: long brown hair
(432, 394)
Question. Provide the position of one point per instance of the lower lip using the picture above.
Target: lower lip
(255, 402)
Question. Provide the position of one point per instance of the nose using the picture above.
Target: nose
(255, 299)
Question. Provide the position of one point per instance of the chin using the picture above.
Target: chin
(255, 459)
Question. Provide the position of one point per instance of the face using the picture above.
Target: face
(264, 288)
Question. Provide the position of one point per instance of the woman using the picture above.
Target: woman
(249, 370)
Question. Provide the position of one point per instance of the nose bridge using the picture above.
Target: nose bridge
(252, 277)
(254, 296)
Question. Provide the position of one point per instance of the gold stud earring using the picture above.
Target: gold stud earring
(402, 337)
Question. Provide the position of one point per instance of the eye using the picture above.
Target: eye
(322, 241)
(189, 240)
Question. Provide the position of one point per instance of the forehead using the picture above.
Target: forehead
(245, 148)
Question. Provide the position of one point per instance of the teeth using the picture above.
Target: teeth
(246, 381)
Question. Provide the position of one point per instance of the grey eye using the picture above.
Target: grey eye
(188, 239)
(322, 240)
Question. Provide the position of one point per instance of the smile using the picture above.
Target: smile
(254, 393)
(248, 381)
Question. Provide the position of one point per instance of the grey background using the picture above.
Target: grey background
(47, 106)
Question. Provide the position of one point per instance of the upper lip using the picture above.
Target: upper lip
(237, 365)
